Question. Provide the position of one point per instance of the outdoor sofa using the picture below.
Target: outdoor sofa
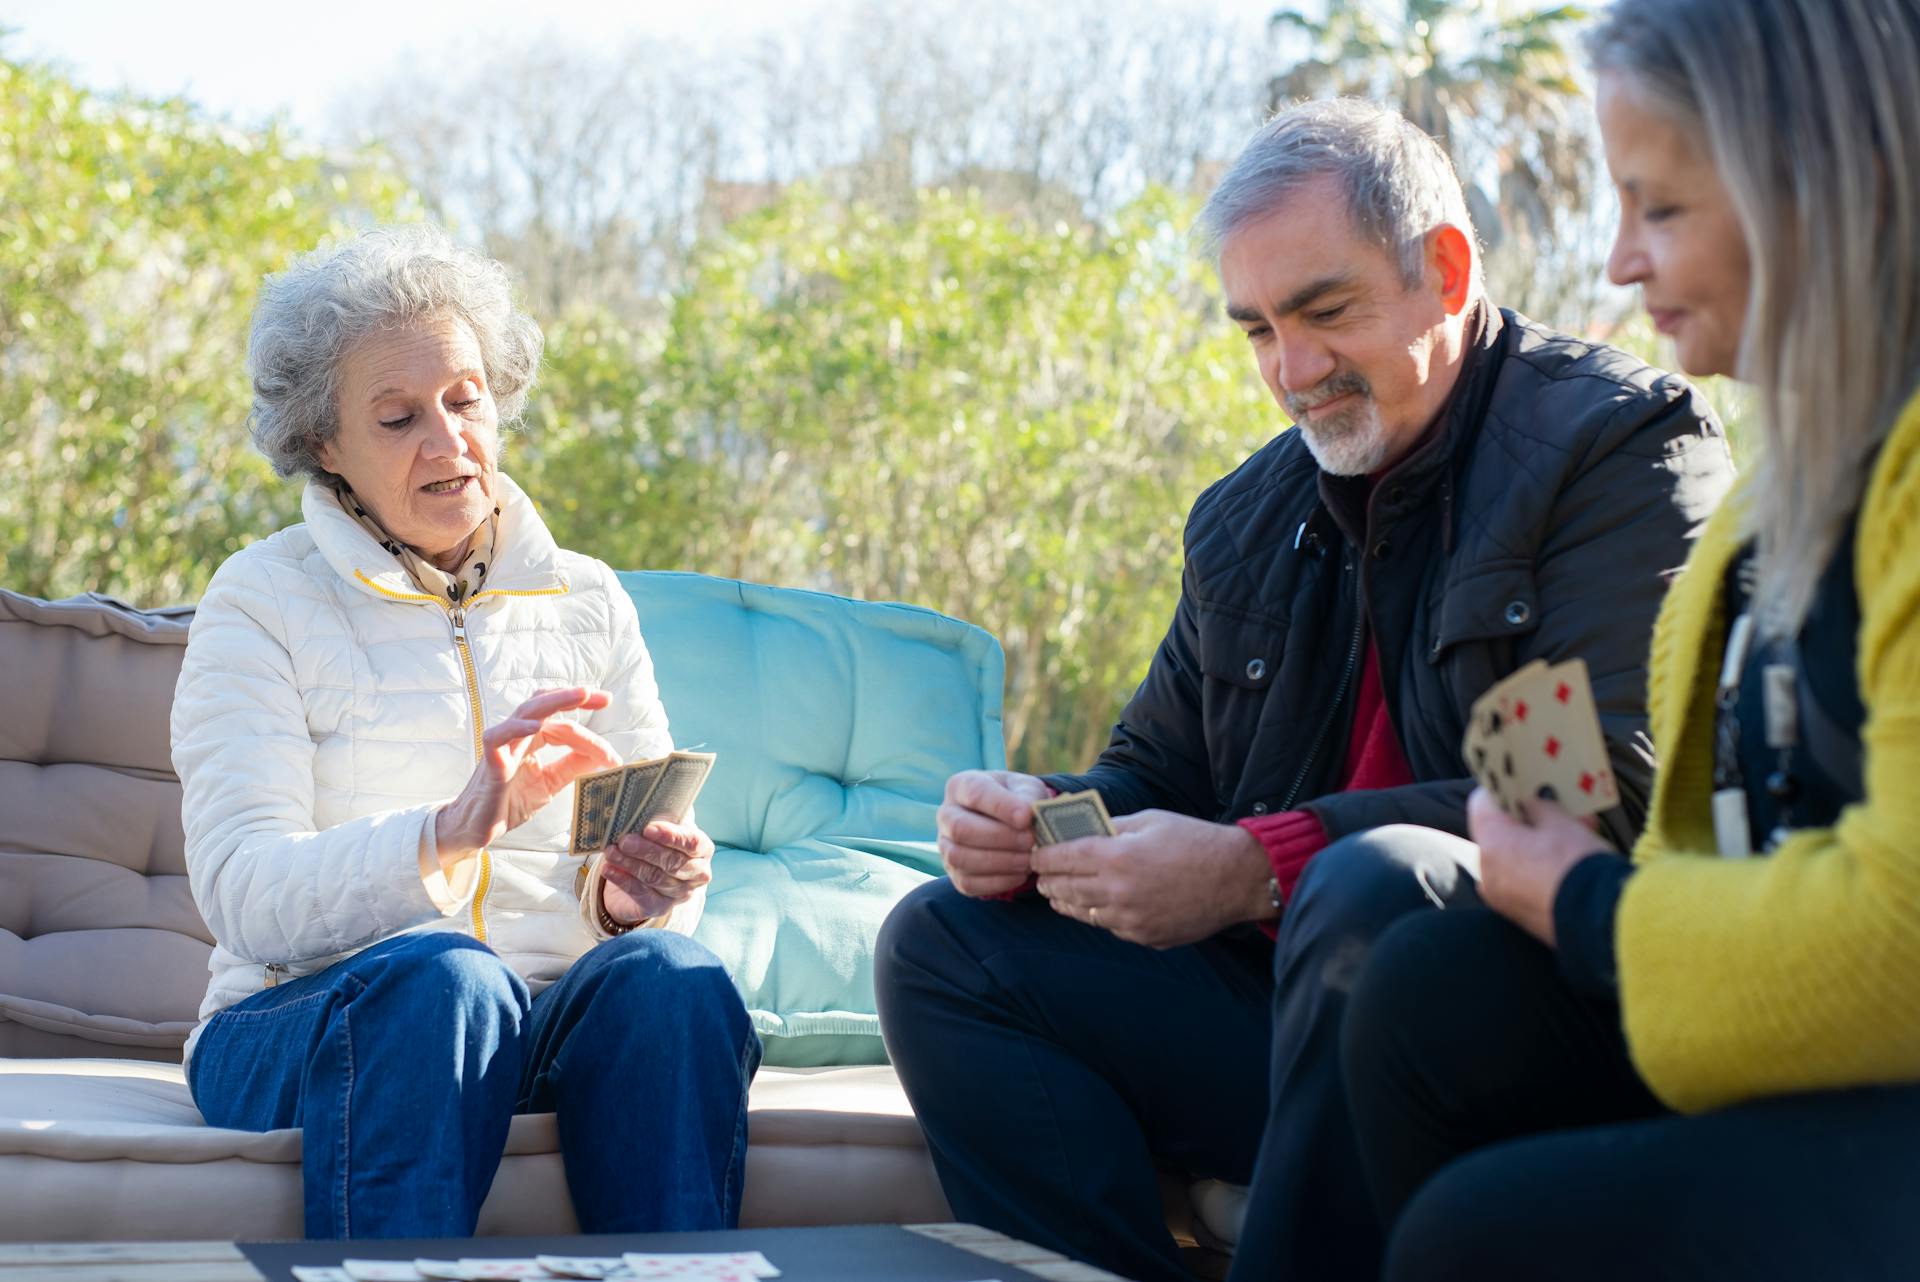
(836, 723)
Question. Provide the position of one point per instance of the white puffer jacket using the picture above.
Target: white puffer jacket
(326, 707)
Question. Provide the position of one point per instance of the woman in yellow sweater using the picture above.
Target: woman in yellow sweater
(1712, 1067)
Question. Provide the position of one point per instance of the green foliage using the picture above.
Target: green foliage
(1003, 421)
(1493, 82)
(997, 415)
(133, 236)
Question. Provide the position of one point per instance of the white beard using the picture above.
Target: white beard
(1353, 442)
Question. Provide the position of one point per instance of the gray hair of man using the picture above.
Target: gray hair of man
(312, 314)
(1399, 184)
(1806, 110)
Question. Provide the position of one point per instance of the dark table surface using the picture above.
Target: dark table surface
(843, 1253)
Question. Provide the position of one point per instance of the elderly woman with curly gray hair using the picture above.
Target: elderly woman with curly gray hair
(379, 720)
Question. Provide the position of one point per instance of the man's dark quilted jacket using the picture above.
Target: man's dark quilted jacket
(1541, 519)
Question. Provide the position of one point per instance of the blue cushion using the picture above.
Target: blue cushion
(837, 723)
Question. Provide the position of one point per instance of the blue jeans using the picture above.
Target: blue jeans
(404, 1064)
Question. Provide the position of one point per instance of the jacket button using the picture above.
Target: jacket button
(1256, 668)
(1518, 612)
(1383, 549)
(1259, 807)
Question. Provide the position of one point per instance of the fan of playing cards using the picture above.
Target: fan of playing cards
(609, 805)
(1536, 734)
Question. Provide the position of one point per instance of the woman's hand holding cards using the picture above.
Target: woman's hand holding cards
(1523, 861)
(646, 873)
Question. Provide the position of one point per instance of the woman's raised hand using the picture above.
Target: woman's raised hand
(515, 778)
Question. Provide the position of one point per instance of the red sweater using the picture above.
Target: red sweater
(1374, 760)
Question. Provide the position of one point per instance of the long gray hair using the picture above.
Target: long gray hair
(1807, 109)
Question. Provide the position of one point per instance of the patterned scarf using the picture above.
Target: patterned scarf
(466, 580)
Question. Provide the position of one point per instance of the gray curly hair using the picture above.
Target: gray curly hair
(312, 313)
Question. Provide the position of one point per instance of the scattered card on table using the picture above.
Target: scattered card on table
(479, 1270)
(1069, 816)
(382, 1271)
(319, 1273)
(583, 1266)
(444, 1270)
(705, 1267)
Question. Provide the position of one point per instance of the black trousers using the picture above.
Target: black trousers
(1506, 1135)
(1053, 1066)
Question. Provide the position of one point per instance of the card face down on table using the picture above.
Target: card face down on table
(1537, 733)
(609, 805)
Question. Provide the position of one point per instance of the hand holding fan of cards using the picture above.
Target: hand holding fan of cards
(613, 803)
(1537, 733)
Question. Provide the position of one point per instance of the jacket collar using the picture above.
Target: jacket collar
(1429, 467)
(526, 559)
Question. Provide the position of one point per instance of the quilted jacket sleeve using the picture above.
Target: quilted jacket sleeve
(635, 723)
(271, 887)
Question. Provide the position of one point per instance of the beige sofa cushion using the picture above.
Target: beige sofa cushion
(101, 948)
(95, 1148)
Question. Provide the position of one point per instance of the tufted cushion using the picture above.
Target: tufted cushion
(100, 943)
(837, 723)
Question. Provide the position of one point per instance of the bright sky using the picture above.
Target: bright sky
(249, 58)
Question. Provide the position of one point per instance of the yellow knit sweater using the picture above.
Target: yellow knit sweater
(1799, 971)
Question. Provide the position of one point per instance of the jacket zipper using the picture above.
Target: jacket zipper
(458, 616)
(1333, 711)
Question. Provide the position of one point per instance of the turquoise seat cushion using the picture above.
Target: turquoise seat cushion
(836, 724)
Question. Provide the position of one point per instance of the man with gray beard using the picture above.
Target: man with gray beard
(1465, 492)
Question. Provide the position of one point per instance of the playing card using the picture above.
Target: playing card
(673, 796)
(1489, 754)
(1536, 733)
(318, 1273)
(638, 784)
(1561, 747)
(382, 1271)
(1075, 814)
(451, 1270)
(594, 799)
(583, 1266)
(706, 1267)
(506, 1270)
